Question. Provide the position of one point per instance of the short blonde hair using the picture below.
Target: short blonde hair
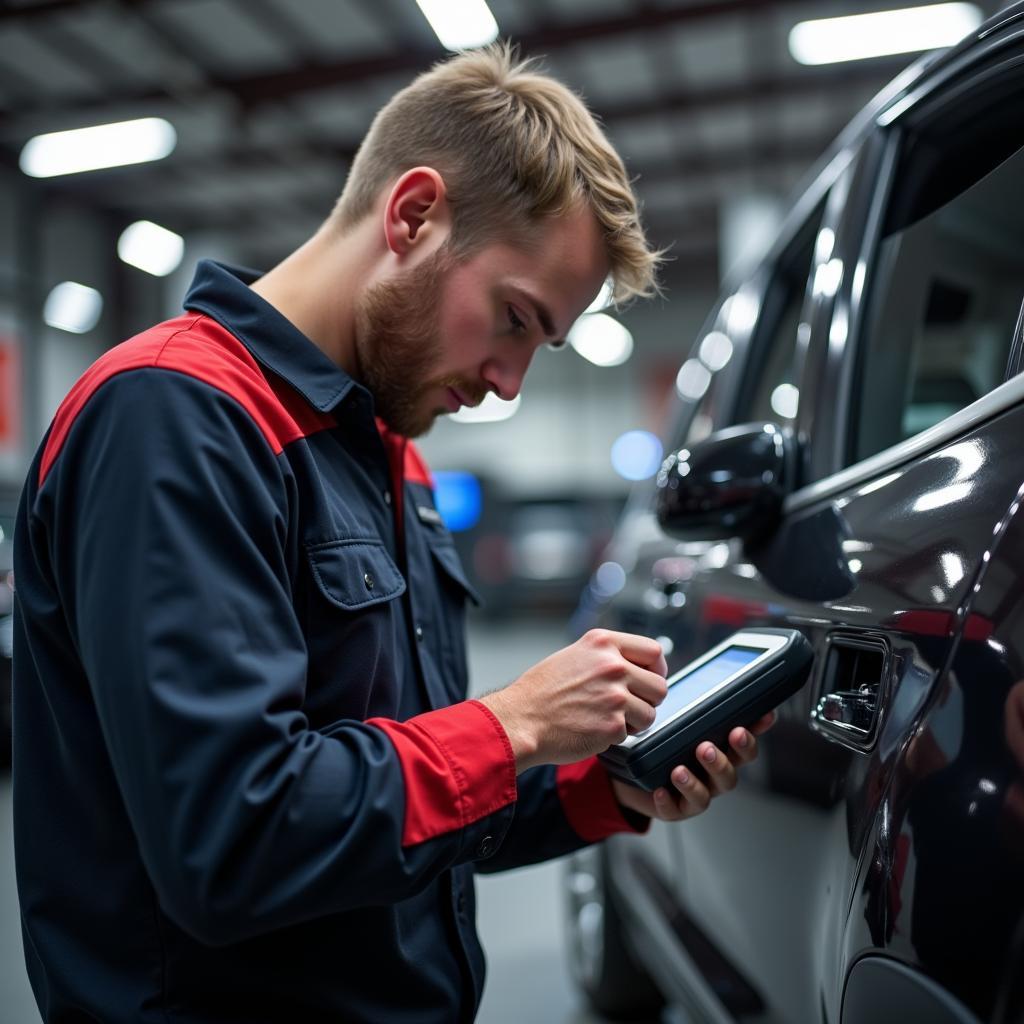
(514, 146)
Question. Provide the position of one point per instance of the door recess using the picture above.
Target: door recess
(853, 689)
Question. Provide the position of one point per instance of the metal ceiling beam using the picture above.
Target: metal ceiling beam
(255, 90)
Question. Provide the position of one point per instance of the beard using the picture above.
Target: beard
(398, 347)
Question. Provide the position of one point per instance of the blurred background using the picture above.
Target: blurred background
(225, 129)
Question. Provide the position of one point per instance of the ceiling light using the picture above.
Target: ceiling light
(832, 40)
(785, 401)
(73, 307)
(460, 24)
(603, 300)
(490, 410)
(715, 350)
(104, 145)
(601, 339)
(151, 248)
(693, 379)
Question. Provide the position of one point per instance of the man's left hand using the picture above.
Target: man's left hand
(689, 796)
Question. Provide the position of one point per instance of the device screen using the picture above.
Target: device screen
(695, 684)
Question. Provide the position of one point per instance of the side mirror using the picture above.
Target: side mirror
(731, 484)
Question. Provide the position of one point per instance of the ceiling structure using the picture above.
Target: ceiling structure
(270, 99)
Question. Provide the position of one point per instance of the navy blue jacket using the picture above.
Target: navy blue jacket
(247, 783)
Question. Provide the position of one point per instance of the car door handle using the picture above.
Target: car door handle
(849, 710)
(854, 681)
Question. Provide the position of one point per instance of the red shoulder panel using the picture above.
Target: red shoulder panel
(416, 469)
(414, 466)
(201, 348)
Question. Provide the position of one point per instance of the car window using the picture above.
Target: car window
(948, 282)
(770, 389)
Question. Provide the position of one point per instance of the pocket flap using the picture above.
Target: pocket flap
(355, 574)
(448, 559)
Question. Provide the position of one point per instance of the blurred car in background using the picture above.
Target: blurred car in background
(525, 554)
(847, 460)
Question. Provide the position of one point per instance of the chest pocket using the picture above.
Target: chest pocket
(355, 574)
(354, 631)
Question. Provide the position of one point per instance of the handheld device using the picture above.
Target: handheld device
(733, 684)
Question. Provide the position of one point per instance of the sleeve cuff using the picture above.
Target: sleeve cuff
(457, 765)
(589, 803)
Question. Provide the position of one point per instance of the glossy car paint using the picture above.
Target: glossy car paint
(828, 856)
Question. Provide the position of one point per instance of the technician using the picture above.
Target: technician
(248, 786)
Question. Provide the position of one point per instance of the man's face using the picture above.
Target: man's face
(447, 332)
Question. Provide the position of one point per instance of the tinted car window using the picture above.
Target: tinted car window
(948, 286)
(771, 388)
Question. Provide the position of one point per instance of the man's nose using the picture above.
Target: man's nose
(505, 376)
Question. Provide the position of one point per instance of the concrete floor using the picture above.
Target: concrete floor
(519, 912)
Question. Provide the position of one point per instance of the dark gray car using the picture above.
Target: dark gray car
(848, 460)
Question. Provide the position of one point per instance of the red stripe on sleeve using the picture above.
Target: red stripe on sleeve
(199, 347)
(588, 801)
(457, 765)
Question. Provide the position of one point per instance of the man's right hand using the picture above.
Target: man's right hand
(582, 699)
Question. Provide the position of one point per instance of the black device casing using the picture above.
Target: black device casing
(742, 702)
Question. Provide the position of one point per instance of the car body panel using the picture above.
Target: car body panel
(904, 853)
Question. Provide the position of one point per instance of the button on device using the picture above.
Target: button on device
(486, 847)
(369, 581)
(419, 632)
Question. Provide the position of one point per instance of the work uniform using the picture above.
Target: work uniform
(247, 783)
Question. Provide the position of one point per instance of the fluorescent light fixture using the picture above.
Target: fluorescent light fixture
(151, 248)
(601, 339)
(73, 307)
(490, 410)
(104, 145)
(460, 24)
(859, 36)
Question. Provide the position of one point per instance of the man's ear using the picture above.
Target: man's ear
(416, 214)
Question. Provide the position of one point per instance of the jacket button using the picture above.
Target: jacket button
(387, 497)
(460, 903)
(486, 847)
(419, 632)
(369, 581)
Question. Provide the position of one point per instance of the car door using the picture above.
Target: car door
(907, 455)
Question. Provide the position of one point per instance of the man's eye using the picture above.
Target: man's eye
(517, 324)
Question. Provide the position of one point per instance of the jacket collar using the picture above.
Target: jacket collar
(223, 293)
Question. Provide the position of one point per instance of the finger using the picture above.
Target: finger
(721, 771)
(639, 714)
(667, 807)
(764, 723)
(694, 796)
(641, 650)
(744, 746)
(648, 686)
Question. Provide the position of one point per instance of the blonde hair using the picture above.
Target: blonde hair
(514, 146)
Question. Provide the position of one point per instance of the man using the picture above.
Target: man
(248, 786)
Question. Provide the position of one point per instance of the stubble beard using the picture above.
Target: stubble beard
(398, 345)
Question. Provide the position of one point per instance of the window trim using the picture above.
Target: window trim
(1005, 396)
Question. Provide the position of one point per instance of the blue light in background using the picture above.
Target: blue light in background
(459, 499)
(636, 455)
